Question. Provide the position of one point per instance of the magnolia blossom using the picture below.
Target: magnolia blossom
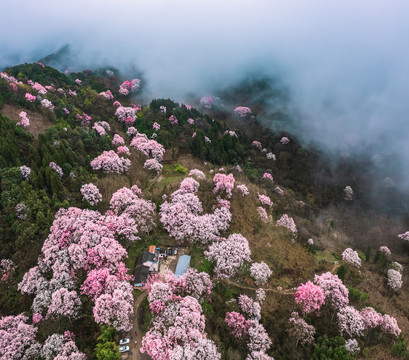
(335, 292)
(263, 214)
(118, 140)
(288, 223)
(173, 120)
(150, 148)
(24, 120)
(30, 97)
(229, 255)
(56, 168)
(257, 144)
(243, 189)
(351, 257)
(47, 104)
(237, 324)
(265, 200)
(197, 173)
(302, 332)
(123, 150)
(260, 272)
(268, 176)
(394, 279)
(385, 250)
(352, 346)
(153, 164)
(279, 191)
(110, 162)
(91, 194)
(242, 111)
(206, 102)
(284, 140)
(25, 172)
(350, 322)
(348, 193)
(404, 236)
(107, 95)
(310, 296)
(224, 182)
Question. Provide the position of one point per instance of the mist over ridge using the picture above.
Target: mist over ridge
(345, 64)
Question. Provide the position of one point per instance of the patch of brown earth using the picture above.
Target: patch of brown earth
(38, 122)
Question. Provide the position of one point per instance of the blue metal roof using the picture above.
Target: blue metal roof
(182, 265)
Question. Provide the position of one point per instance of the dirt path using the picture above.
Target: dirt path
(135, 353)
(282, 292)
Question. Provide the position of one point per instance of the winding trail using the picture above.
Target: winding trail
(281, 292)
(135, 352)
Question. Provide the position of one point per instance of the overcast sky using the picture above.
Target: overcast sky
(346, 63)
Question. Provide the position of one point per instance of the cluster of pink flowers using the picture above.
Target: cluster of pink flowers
(394, 279)
(206, 102)
(173, 120)
(7, 268)
(243, 189)
(265, 200)
(66, 111)
(91, 193)
(270, 156)
(129, 203)
(13, 87)
(47, 104)
(223, 183)
(404, 236)
(237, 324)
(156, 126)
(310, 296)
(206, 139)
(268, 176)
(98, 128)
(260, 272)
(189, 185)
(107, 95)
(350, 322)
(56, 168)
(258, 339)
(284, 140)
(181, 217)
(123, 150)
(279, 191)
(78, 81)
(30, 97)
(199, 174)
(257, 144)
(128, 86)
(385, 250)
(9, 79)
(335, 292)
(126, 115)
(190, 121)
(148, 147)
(177, 329)
(263, 214)
(287, 222)
(72, 92)
(302, 332)
(85, 119)
(351, 257)
(84, 242)
(162, 109)
(118, 140)
(24, 120)
(242, 111)
(153, 164)
(40, 88)
(110, 162)
(231, 133)
(348, 193)
(229, 255)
